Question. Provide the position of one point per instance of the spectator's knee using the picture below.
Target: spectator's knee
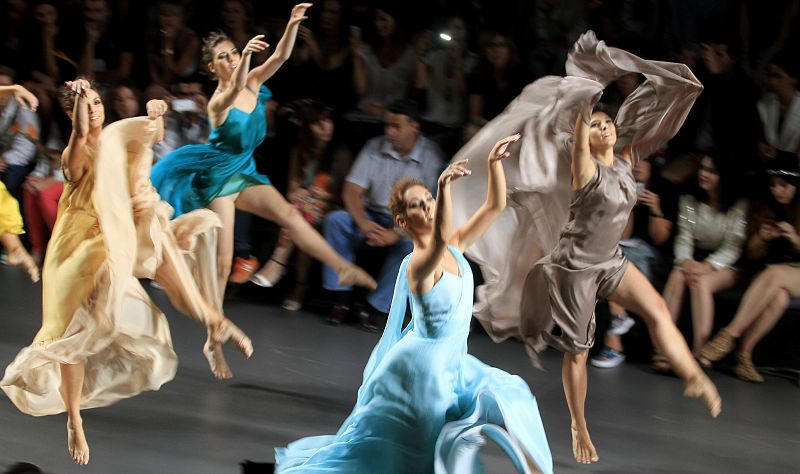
(335, 221)
(781, 299)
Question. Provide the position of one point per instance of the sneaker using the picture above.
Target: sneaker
(338, 315)
(243, 269)
(607, 358)
(368, 319)
(620, 324)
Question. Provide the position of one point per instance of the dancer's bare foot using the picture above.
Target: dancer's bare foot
(354, 275)
(216, 360)
(76, 442)
(700, 386)
(228, 333)
(582, 447)
(19, 257)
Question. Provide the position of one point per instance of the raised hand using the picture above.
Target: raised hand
(454, 171)
(500, 149)
(255, 45)
(79, 86)
(156, 108)
(26, 98)
(299, 13)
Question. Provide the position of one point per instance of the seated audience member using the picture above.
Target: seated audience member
(41, 192)
(317, 167)
(384, 69)
(712, 226)
(327, 58)
(779, 109)
(724, 120)
(649, 229)
(187, 121)
(125, 100)
(401, 152)
(173, 49)
(47, 66)
(19, 138)
(496, 81)
(441, 77)
(103, 43)
(775, 244)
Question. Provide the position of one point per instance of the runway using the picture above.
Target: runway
(303, 377)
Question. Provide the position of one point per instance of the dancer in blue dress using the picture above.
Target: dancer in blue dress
(221, 175)
(425, 403)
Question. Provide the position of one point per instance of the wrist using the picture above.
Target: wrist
(657, 213)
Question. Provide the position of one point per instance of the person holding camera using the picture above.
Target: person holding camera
(774, 246)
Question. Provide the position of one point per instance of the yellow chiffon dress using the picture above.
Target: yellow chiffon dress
(111, 230)
(10, 218)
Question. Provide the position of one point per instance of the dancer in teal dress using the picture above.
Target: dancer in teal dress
(222, 174)
(425, 404)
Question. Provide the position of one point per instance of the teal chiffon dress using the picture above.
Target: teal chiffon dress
(425, 404)
(192, 176)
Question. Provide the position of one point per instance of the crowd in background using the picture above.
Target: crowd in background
(414, 80)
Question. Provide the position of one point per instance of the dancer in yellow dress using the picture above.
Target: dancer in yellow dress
(102, 339)
(10, 218)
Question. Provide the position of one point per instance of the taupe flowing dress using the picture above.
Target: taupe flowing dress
(540, 196)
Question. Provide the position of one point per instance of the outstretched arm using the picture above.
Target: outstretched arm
(283, 50)
(582, 166)
(23, 95)
(223, 100)
(426, 260)
(468, 233)
(74, 159)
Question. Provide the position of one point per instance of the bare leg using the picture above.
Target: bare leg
(266, 202)
(761, 294)
(71, 388)
(637, 294)
(674, 291)
(765, 322)
(575, 380)
(18, 256)
(703, 303)
(225, 208)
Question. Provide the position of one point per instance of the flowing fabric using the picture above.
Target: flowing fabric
(10, 218)
(538, 170)
(192, 176)
(425, 404)
(94, 308)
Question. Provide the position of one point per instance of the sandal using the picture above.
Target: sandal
(259, 279)
(745, 369)
(722, 344)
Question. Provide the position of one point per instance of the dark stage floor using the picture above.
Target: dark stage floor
(302, 380)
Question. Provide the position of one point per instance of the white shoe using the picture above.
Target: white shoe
(260, 280)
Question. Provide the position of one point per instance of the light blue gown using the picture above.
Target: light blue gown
(425, 405)
(192, 176)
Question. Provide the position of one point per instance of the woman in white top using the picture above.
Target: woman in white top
(711, 232)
